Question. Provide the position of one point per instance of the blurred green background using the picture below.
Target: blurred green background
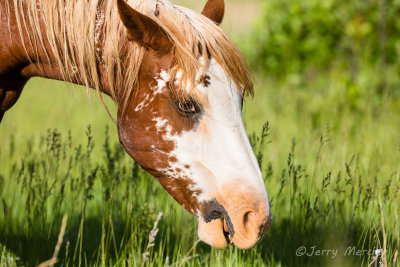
(327, 81)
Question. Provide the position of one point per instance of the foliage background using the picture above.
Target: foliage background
(327, 77)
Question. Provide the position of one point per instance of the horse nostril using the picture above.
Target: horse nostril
(251, 224)
(215, 215)
(249, 219)
(212, 210)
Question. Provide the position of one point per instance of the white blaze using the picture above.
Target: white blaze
(218, 150)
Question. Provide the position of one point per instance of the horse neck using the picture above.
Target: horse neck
(39, 59)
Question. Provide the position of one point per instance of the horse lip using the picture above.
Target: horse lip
(228, 226)
(225, 230)
(217, 210)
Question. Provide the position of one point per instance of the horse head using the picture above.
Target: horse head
(188, 132)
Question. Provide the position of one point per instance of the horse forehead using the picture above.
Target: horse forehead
(217, 85)
(223, 98)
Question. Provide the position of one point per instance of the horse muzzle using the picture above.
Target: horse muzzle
(242, 220)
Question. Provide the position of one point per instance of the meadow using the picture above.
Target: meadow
(327, 142)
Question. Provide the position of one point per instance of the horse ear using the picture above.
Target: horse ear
(214, 10)
(142, 29)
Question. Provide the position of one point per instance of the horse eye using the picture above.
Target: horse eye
(188, 106)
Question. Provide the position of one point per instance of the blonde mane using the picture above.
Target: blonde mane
(85, 33)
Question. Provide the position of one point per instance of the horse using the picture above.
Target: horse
(178, 81)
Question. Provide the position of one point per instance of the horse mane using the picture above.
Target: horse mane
(74, 28)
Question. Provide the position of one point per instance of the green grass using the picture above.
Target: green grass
(327, 159)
